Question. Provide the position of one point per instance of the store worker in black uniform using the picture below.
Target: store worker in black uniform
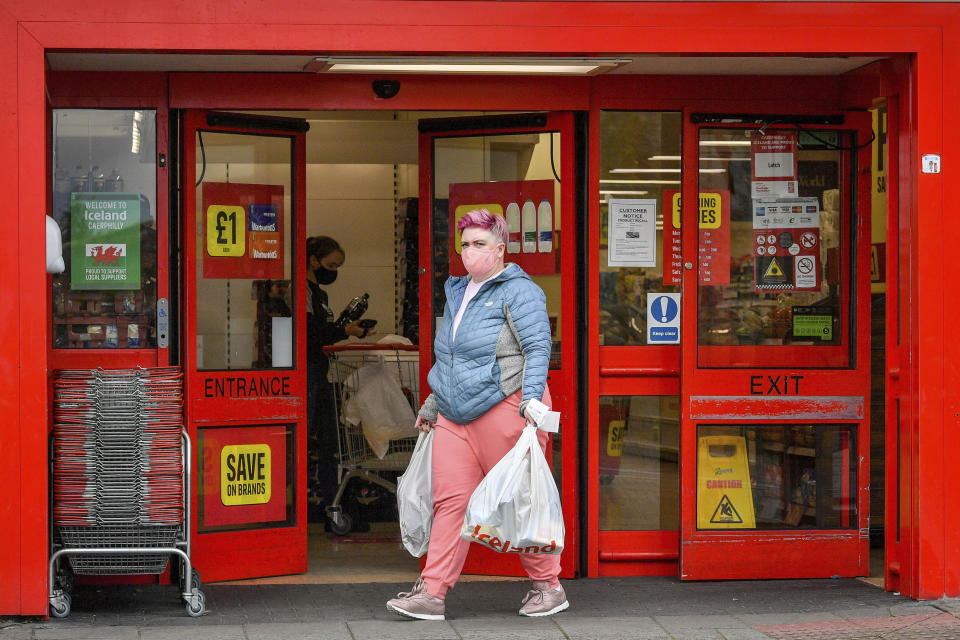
(324, 257)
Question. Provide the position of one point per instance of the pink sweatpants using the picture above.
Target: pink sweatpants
(462, 456)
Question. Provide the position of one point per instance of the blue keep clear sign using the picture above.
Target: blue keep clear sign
(663, 318)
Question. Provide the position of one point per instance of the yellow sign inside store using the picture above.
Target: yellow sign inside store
(245, 474)
(615, 434)
(226, 231)
(711, 210)
(464, 209)
(724, 496)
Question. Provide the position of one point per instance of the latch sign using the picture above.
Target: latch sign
(245, 474)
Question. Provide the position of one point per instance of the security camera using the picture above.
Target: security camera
(386, 89)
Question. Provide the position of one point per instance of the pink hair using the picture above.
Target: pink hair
(483, 219)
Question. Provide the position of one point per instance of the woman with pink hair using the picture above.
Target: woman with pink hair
(492, 352)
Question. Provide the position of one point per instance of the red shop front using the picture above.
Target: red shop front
(768, 397)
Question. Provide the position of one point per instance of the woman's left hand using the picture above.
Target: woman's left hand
(529, 418)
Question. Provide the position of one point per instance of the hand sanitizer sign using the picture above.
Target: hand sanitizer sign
(663, 318)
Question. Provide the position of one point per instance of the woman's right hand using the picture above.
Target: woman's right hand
(423, 424)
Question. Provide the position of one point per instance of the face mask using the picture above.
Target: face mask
(324, 275)
(479, 262)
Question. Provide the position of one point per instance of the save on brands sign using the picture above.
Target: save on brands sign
(104, 241)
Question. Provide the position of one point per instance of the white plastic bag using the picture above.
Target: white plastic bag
(415, 497)
(516, 507)
(378, 404)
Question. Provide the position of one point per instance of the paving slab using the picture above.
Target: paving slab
(16, 632)
(400, 629)
(221, 632)
(298, 630)
(682, 623)
(742, 634)
(512, 628)
(611, 628)
(88, 633)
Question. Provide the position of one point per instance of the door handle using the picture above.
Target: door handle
(894, 373)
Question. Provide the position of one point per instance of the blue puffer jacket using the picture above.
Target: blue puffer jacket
(502, 345)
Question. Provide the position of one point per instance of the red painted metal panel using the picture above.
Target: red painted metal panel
(801, 408)
(824, 555)
(10, 548)
(255, 552)
(34, 336)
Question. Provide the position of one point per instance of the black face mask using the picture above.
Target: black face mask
(324, 275)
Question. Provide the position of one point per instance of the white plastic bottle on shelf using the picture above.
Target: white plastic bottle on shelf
(513, 228)
(528, 218)
(544, 227)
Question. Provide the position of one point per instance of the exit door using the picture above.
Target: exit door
(774, 441)
(520, 166)
(244, 342)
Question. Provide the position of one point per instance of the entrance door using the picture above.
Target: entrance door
(244, 343)
(520, 166)
(775, 343)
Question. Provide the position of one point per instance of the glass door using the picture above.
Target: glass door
(244, 343)
(634, 503)
(775, 347)
(520, 166)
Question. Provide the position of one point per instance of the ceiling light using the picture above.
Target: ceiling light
(659, 171)
(418, 64)
(724, 143)
(135, 132)
(639, 182)
(702, 158)
(623, 193)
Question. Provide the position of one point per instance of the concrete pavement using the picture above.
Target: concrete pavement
(601, 609)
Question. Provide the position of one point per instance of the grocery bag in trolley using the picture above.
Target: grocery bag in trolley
(516, 507)
(377, 404)
(415, 497)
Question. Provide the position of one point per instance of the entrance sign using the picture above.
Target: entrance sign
(104, 241)
(724, 496)
(243, 232)
(786, 244)
(631, 233)
(663, 318)
(714, 238)
(773, 160)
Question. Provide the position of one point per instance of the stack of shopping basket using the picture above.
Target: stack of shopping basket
(118, 469)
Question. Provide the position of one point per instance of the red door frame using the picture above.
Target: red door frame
(563, 382)
(725, 554)
(927, 33)
(246, 553)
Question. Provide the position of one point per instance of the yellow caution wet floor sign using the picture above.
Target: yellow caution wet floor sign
(724, 497)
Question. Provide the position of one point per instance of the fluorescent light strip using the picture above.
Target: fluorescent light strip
(724, 143)
(659, 171)
(623, 193)
(639, 182)
(677, 159)
(414, 64)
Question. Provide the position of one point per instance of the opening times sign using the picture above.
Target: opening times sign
(104, 241)
(714, 240)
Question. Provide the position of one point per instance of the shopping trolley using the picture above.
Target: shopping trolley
(120, 478)
(356, 457)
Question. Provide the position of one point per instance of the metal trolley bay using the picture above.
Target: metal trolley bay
(120, 475)
(377, 396)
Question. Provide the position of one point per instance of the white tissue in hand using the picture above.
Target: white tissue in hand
(541, 415)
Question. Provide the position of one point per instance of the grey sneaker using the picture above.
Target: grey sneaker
(417, 603)
(543, 600)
